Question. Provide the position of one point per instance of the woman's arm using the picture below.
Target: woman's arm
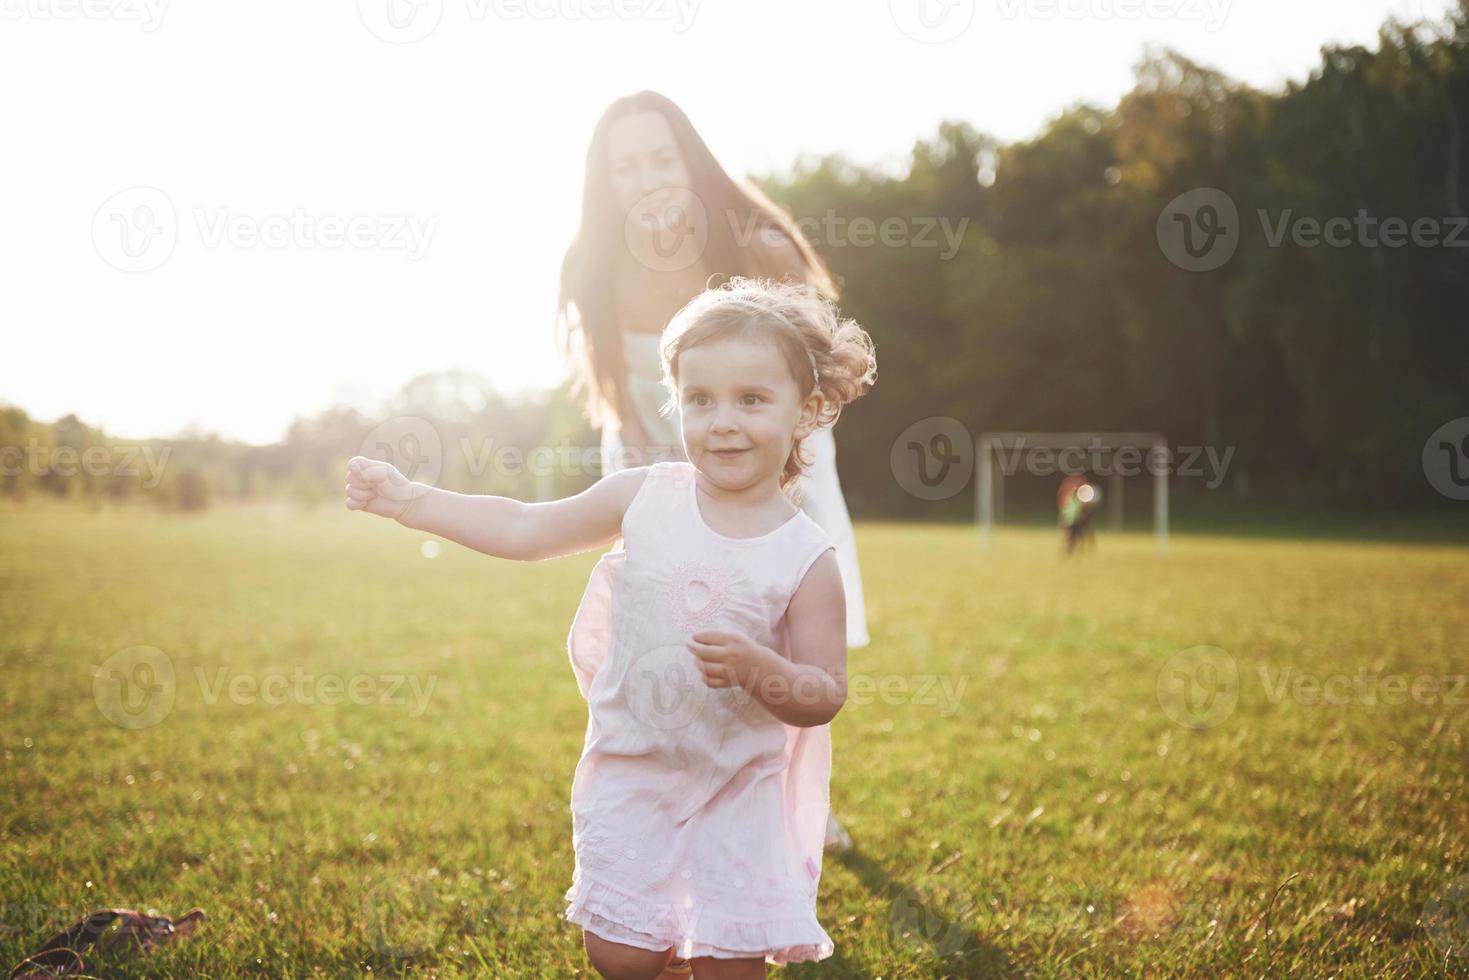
(499, 526)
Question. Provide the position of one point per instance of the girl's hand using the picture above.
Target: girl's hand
(378, 488)
(729, 659)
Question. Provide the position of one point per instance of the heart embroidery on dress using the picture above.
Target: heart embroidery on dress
(700, 593)
(697, 596)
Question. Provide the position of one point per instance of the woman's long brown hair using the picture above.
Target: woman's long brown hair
(587, 268)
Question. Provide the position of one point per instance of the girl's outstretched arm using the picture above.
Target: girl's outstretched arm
(499, 526)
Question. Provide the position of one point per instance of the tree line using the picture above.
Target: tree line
(1281, 275)
(1327, 345)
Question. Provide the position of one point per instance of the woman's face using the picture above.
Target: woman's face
(650, 181)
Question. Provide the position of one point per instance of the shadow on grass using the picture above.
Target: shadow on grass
(914, 923)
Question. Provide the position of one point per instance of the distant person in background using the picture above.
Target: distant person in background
(660, 219)
(1077, 501)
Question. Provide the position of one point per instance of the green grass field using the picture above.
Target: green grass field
(1030, 790)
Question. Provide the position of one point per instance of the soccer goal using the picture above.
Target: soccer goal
(1112, 456)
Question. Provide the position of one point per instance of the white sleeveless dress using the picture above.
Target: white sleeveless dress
(697, 816)
(821, 487)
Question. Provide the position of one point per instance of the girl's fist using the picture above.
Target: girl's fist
(729, 659)
(378, 488)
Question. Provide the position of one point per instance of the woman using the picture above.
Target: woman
(660, 219)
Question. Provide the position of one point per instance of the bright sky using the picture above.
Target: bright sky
(461, 154)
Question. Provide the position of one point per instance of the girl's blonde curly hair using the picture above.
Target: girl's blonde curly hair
(822, 349)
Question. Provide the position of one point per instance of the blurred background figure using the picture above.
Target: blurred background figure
(1078, 500)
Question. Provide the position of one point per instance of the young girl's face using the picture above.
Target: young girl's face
(741, 410)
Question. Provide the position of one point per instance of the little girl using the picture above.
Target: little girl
(710, 644)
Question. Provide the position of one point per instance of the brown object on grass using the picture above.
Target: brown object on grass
(61, 956)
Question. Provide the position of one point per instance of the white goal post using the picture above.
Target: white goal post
(1071, 452)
